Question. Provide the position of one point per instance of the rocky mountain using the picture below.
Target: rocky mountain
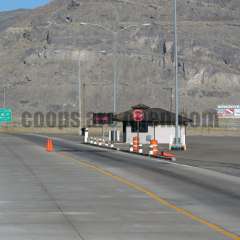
(44, 51)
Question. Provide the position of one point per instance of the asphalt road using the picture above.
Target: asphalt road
(221, 154)
(82, 192)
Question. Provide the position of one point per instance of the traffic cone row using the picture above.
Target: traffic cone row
(91, 140)
(100, 142)
(136, 147)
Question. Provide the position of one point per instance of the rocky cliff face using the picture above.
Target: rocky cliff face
(44, 51)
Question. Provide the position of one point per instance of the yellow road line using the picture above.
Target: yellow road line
(157, 198)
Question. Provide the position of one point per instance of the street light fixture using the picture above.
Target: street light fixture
(115, 65)
(81, 95)
(4, 97)
(115, 35)
(146, 24)
(177, 140)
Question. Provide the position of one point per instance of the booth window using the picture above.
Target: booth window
(143, 127)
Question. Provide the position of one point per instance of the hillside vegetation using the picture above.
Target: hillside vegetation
(41, 51)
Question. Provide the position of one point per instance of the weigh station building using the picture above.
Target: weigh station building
(155, 123)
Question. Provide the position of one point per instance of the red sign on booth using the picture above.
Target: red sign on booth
(138, 115)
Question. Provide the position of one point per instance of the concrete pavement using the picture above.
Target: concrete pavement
(65, 195)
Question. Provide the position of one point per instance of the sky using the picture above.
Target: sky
(6, 5)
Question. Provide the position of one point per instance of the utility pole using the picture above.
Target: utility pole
(79, 93)
(115, 35)
(115, 43)
(115, 66)
(4, 97)
(84, 105)
(177, 139)
(171, 103)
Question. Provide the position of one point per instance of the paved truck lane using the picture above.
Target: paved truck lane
(81, 192)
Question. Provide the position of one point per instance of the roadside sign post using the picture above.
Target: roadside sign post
(138, 125)
(138, 116)
(103, 119)
(154, 131)
(5, 115)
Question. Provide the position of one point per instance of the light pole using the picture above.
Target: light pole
(4, 97)
(115, 69)
(79, 93)
(115, 63)
(177, 139)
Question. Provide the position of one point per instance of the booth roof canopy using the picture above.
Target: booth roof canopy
(152, 115)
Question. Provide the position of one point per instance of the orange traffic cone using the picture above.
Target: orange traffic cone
(154, 148)
(49, 145)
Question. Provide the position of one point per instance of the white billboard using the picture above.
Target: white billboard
(228, 111)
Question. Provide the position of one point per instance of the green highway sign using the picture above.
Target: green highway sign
(5, 115)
